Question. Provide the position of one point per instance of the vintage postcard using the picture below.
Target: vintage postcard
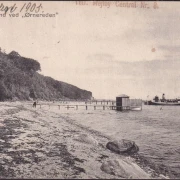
(89, 89)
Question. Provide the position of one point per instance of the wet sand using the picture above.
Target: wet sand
(37, 143)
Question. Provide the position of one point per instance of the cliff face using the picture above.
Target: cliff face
(19, 80)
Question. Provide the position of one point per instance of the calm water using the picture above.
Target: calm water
(155, 131)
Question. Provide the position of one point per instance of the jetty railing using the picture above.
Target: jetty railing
(86, 106)
(105, 102)
(131, 102)
(75, 106)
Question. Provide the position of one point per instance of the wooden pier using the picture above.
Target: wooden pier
(86, 106)
(77, 106)
(122, 103)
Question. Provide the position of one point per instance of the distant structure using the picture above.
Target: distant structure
(121, 102)
(124, 103)
(156, 99)
(163, 97)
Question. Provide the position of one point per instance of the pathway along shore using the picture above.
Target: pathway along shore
(37, 143)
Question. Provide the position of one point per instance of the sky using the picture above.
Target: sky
(108, 51)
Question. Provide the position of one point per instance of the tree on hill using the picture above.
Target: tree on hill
(3, 89)
(19, 79)
(32, 94)
(1, 74)
(25, 64)
(14, 53)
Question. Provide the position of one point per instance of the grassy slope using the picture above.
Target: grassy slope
(20, 80)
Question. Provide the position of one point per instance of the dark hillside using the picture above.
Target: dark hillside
(19, 80)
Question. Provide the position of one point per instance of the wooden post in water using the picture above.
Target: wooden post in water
(68, 107)
(59, 106)
(76, 107)
(103, 107)
(86, 108)
(94, 107)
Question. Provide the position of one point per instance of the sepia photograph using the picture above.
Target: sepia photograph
(89, 90)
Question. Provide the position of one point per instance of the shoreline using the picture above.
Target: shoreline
(37, 143)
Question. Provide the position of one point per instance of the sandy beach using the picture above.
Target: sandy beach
(37, 143)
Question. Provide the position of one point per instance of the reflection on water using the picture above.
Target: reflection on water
(155, 131)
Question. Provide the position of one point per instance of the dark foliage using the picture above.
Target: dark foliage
(25, 64)
(19, 80)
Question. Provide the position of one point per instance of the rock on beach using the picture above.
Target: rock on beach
(123, 146)
(124, 168)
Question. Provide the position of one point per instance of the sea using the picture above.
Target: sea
(155, 129)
